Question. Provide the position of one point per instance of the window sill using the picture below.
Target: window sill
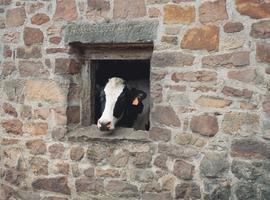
(91, 133)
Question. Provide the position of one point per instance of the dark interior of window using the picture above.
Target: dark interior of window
(137, 75)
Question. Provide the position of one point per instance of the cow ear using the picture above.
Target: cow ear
(138, 97)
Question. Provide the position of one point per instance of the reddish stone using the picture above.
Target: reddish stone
(176, 14)
(56, 150)
(32, 69)
(183, 170)
(233, 27)
(9, 109)
(89, 186)
(228, 60)
(160, 134)
(263, 52)
(13, 126)
(201, 38)
(165, 115)
(229, 91)
(254, 8)
(14, 177)
(7, 141)
(214, 102)
(55, 184)
(36, 129)
(57, 50)
(261, 29)
(247, 105)
(153, 12)
(200, 76)
(5, 2)
(160, 161)
(113, 173)
(55, 40)
(7, 52)
(36, 147)
(247, 75)
(40, 18)
(76, 153)
(65, 66)
(129, 9)
(213, 11)
(32, 36)
(73, 114)
(266, 107)
(29, 52)
(205, 125)
(62, 168)
(15, 17)
(117, 186)
(66, 10)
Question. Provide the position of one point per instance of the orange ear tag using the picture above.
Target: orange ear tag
(135, 102)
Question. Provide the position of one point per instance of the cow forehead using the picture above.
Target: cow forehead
(114, 88)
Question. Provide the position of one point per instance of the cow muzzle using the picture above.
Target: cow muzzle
(105, 126)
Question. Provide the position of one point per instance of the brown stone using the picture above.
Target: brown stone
(250, 148)
(40, 18)
(8, 67)
(113, 173)
(215, 102)
(153, 12)
(246, 75)
(205, 125)
(76, 153)
(32, 36)
(36, 129)
(165, 115)
(160, 161)
(55, 40)
(115, 186)
(266, 107)
(261, 29)
(14, 176)
(11, 157)
(233, 92)
(176, 14)
(119, 159)
(160, 134)
(157, 1)
(142, 159)
(129, 9)
(212, 11)
(29, 52)
(13, 126)
(7, 52)
(15, 17)
(228, 60)
(42, 113)
(60, 114)
(9, 109)
(187, 191)
(59, 133)
(198, 76)
(66, 66)
(62, 168)
(55, 184)
(171, 59)
(73, 114)
(240, 122)
(263, 52)
(253, 8)
(89, 172)
(233, 27)
(57, 50)
(44, 90)
(32, 69)
(66, 10)
(159, 196)
(7, 141)
(39, 166)
(201, 38)
(169, 39)
(101, 5)
(6, 192)
(56, 150)
(5, 2)
(247, 105)
(89, 186)
(183, 170)
(36, 147)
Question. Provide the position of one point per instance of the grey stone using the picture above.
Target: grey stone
(187, 191)
(156, 196)
(176, 151)
(245, 170)
(89, 186)
(214, 165)
(121, 188)
(142, 175)
(221, 193)
(113, 32)
(245, 191)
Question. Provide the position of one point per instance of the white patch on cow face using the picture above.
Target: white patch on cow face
(113, 89)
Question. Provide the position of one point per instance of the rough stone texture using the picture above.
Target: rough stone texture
(187, 191)
(262, 52)
(29, 52)
(40, 18)
(261, 29)
(89, 186)
(183, 170)
(202, 38)
(236, 59)
(213, 11)
(160, 134)
(36, 147)
(253, 9)
(9, 109)
(198, 76)
(204, 124)
(233, 27)
(214, 165)
(32, 36)
(39, 166)
(13, 126)
(32, 69)
(76, 153)
(15, 17)
(246, 75)
(166, 116)
(213, 102)
(176, 14)
(115, 32)
(129, 9)
(66, 10)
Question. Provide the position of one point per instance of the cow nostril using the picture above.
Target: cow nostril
(108, 124)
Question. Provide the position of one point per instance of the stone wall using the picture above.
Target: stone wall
(210, 118)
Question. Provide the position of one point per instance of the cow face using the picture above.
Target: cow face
(116, 100)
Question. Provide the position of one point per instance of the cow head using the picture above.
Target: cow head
(116, 100)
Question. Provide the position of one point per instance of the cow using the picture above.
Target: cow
(122, 105)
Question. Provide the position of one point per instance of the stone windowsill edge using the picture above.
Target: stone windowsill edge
(91, 133)
(122, 32)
